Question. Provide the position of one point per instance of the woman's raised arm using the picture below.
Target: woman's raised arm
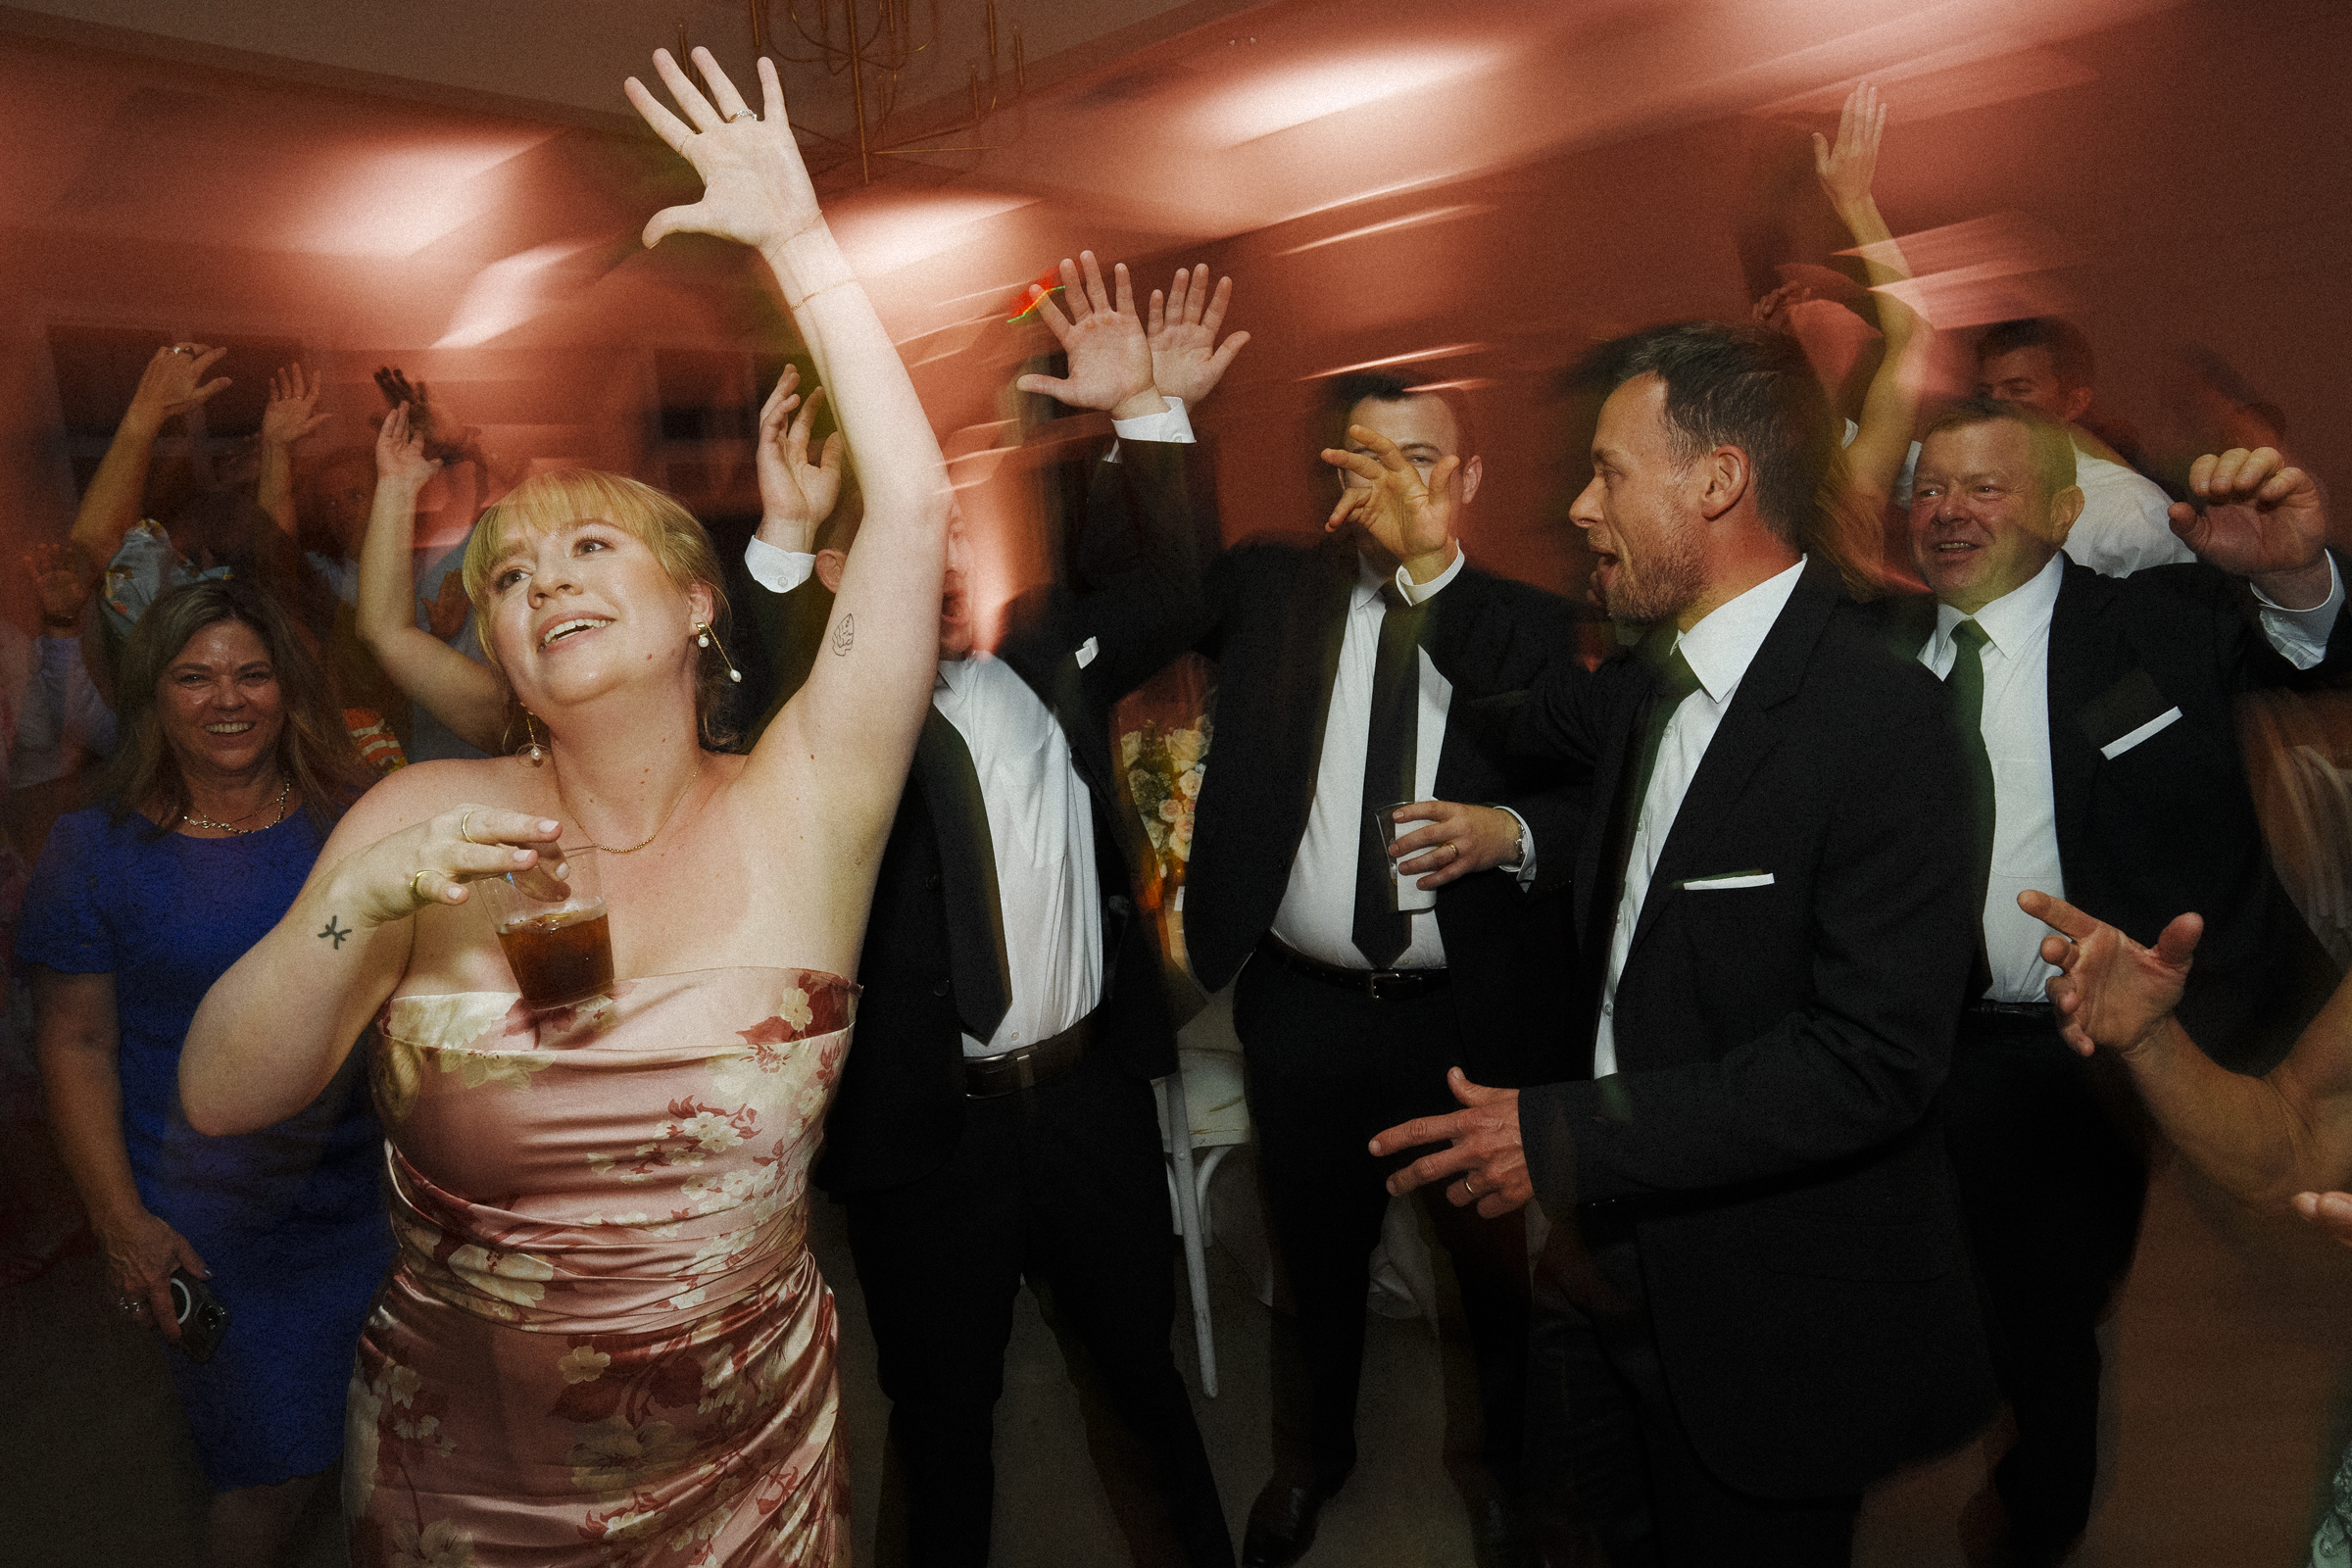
(469, 697)
(859, 714)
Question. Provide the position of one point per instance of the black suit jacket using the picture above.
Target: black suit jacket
(934, 922)
(1768, 1135)
(1280, 613)
(2166, 826)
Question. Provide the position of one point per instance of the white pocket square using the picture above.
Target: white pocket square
(1086, 651)
(1730, 879)
(2124, 743)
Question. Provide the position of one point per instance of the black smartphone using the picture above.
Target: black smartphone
(202, 1317)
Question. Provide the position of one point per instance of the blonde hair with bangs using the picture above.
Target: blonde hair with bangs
(565, 496)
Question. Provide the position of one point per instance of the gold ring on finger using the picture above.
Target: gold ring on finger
(416, 892)
(462, 833)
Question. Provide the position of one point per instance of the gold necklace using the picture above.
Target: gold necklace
(650, 837)
(283, 790)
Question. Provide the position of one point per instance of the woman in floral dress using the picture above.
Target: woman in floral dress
(604, 1340)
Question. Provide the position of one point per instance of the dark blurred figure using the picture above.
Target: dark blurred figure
(2047, 362)
(232, 766)
(2107, 769)
(1364, 984)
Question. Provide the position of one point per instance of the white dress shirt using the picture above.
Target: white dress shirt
(1041, 821)
(1719, 650)
(1317, 916)
(2016, 725)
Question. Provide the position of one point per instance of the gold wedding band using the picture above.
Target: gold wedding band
(462, 821)
(1451, 848)
(415, 892)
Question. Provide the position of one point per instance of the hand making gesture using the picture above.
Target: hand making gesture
(2260, 519)
(2111, 992)
(1111, 354)
(1409, 514)
(794, 494)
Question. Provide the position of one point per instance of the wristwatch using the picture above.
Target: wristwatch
(1518, 855)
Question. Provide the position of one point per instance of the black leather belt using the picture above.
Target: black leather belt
(2012, 1014)
(1029, 1066)
(1380, 985)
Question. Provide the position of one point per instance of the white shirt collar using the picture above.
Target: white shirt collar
(2014, 618)
(1370, 580)
(1721, 646)
(956, 674)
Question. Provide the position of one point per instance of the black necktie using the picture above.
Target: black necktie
(1676, 681)
(1392, 746)
(1966, 683)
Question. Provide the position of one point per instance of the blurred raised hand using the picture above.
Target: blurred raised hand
(292, 411)
(1110, 352)
(401, 458)
(794, 494)
(1381, 493)
(1847, 167)
(2110, 991)
(173, 382)
(1187, 359)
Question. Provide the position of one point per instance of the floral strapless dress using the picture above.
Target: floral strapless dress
(604, 1340)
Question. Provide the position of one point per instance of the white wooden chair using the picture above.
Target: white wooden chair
(1205, 1097)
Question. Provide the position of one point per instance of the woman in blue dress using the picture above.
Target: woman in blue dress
(233, 767)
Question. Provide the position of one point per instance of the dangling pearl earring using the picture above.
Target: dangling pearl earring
(705, 637)
(532, 752)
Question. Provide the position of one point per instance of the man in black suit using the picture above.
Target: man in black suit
(1351, 1009)
(2105, 708)
(1754, 1300)
(995, 1116)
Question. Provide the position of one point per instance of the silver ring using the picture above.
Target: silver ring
(182, 348)
(130, 1307)
(1466, 1187)
(742, 114)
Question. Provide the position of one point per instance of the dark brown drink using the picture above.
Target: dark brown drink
(561, 957)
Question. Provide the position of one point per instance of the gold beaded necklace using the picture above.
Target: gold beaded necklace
(283, 790)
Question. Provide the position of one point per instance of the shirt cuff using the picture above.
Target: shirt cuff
(779, 572)
(1421, 592)
(1171, 423)
(2301, 635)
(1526, 869)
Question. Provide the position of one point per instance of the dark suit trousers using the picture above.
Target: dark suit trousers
(2052, 1173)
(1606, 1448)
(1326, 1069)
(1065, 1184)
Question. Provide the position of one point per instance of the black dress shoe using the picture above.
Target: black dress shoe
(1282, 1522)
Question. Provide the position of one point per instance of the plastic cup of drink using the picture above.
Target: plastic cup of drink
(1405, 893)
(552, 923)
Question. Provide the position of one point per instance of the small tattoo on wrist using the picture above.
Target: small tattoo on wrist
(844, 634)
(338, 933)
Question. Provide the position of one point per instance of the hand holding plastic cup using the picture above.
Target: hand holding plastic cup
(1405, 893)
(551, 920)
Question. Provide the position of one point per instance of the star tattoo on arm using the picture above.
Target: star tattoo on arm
(338, 933)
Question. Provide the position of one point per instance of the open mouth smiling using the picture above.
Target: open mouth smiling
(565, 628)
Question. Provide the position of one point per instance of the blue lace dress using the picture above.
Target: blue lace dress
(290, 1218)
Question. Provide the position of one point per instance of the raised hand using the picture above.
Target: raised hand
(756, 189)
(794, 494)
(291, 414)
(173, 383)
(1847, 169)
(1111, 354)
(1773, 308)
(400, 453)
(1187, 359)
(2260, 519)
(1410, 516)
(1484, 1150)
(60, 576)
(2113, 991)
